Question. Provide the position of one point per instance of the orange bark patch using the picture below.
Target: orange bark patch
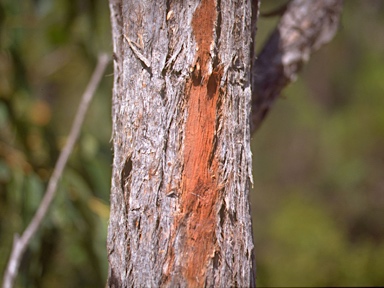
(196, 222)
(200, 188)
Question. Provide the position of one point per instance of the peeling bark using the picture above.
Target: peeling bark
(304, 27)
(182, 162)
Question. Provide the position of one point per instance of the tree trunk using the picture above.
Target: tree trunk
(182, 163)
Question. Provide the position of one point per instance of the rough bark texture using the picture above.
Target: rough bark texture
(305, 26)
(182, 162)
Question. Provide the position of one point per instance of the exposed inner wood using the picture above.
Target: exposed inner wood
(199, 185)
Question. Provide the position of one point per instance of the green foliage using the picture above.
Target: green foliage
(48, 51)
(306, 247)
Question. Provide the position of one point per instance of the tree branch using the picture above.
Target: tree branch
(20, 244)
(304, 27)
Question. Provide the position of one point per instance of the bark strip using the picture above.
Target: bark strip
(199, 181)
(199, 186)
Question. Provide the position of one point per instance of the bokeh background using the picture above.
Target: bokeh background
(318, 197)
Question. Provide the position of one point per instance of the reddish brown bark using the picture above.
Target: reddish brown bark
(199, 180)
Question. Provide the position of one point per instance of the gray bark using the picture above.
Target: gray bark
(305, 26)
(182, 162)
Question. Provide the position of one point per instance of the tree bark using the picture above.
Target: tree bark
(180, 213)
(304, 27)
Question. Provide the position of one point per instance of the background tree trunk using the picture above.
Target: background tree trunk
(304, 27)
(182, 162)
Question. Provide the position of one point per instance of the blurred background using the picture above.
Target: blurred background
(318, 197)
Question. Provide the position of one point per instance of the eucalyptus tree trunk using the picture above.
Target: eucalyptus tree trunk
(180, 213)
